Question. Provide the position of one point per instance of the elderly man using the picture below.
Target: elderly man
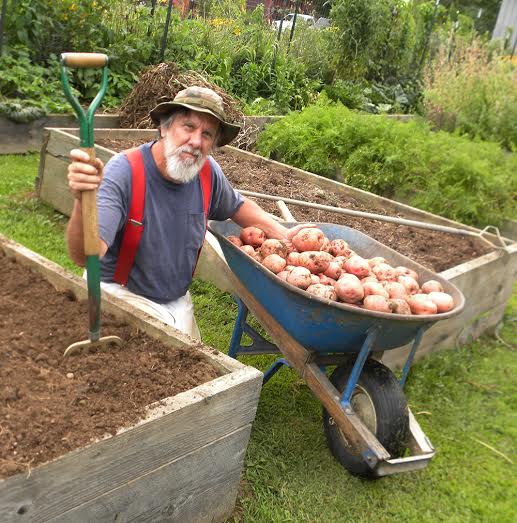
(175, 185)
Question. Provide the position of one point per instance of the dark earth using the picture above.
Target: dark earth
(437, 251)
(49, 404)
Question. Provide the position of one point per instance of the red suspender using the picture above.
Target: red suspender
(134, 226)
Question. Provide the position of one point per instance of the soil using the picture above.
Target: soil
(437, 251)
(50, 405)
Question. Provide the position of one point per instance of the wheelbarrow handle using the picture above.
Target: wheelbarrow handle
(84, 60)
(89, 212)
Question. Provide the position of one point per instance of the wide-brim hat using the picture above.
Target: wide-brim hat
(202, 100)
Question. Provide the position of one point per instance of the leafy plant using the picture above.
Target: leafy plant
(472, 182)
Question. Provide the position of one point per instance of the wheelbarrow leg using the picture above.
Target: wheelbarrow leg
(411, 355)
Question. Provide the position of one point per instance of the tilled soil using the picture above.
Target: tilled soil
(437, 251)
(49, 404)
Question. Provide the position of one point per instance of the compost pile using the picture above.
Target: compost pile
(160, 83)
(437, 251)
(50, 405)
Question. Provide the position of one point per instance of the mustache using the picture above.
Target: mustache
(188, 149)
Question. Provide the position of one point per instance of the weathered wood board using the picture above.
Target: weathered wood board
(181, 463)
(486, 282)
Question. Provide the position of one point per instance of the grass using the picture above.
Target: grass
(466, 399)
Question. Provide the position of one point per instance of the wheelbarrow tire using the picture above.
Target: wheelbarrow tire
(380, 403)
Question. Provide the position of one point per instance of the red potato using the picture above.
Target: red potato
(371, 277)
(283, 275)
(274, 263)
(357, 266)
(432, 286)
(404, 271)
(253, 236)
(374, 288)
(322, 291)
(339, 248)
(399, 306)
(384, 272)
(395, 290)
(293, 258)
(409, 283)
(308, 240)
(289, 268)
(315, 261)
(273, 247)
(315, 280)
(300, 277)
(235, 240)
(325, 280)
(442, 300)
(248, 249)
(421, 304)
(326, 245)
(372, 262)
(377, 303)
(334, 270)
(340, 260)
(349, 289)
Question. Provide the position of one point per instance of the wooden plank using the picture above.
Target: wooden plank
(176, 428)
(55, 189)
(299, 357)
(186, 491)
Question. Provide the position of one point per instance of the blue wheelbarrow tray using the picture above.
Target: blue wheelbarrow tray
(310, 331)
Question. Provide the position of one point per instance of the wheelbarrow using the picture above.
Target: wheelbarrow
(369, 427)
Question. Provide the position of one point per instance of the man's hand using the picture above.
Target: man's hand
(82, 175)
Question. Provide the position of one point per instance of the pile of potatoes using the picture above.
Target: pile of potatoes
(331, 270)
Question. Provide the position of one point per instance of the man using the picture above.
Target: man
(174, 221)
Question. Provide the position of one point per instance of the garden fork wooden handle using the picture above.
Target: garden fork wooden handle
(89, 211)
(84, 60)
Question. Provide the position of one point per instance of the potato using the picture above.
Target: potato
(283, 275)
(273, 247)
(236, 241)
(315, 261)
(325, 280)
(442, 300)
(315, 280)
(300, 277)
(409, 283)
(395, 290)
(372, 287)
(384, 272)
(399, 306)
(248, 249)
(372, 262)
(376, 303)
(421, 304)
(349, 289)
(358, 266)
(334, 270)
(326, 245)
(309, 239)
(253, 236)
(339, 248)
(432, 286)
(322, 291)
(293, 258)
(274, 263)
(404, 271)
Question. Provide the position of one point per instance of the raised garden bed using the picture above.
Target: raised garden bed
(484, 275)
(154, 430)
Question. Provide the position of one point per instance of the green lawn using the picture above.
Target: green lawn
(466, 398)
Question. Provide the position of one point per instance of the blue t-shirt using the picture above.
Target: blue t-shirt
(174, 225)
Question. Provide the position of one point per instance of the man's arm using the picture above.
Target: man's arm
(82, 176)
(250, 214)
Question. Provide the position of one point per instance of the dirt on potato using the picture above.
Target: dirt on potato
(437, 251)
(50, 405)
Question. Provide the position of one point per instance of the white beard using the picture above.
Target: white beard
(178, 170)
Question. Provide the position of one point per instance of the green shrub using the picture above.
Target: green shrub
(469, 181)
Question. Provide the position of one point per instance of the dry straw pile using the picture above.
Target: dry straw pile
(161, 83)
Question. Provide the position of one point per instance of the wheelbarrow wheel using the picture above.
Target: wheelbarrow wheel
(380, 403)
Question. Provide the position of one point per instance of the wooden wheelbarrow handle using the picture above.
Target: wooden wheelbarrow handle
(84, 60)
